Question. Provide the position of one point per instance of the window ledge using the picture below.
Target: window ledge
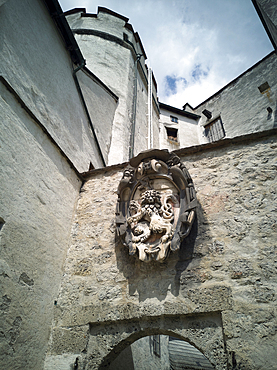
(174, 142)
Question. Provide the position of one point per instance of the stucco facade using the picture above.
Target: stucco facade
(185, 127)
(46, 142)
(235, 102)
(114, 52)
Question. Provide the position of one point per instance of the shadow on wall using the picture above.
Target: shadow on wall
(154, 279)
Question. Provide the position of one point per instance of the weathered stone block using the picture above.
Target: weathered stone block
(69, 340)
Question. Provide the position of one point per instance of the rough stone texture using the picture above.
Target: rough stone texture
(228, 265)
(218, 292)
(203, 331)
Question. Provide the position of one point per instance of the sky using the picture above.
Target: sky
(194, 47)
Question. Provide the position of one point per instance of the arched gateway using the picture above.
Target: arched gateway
(204, 332)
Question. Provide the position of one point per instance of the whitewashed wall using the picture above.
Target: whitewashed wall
(188, 131)
(37, 198)
(101, 105)
(242, 107)
(113, 61)
(35, 62)
(45, 140)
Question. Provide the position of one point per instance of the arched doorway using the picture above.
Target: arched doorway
(203, 331)
(161, 352)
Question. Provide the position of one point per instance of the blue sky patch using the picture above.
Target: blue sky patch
(198, 72)
(171, 84)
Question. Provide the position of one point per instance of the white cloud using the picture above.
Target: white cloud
(215, 40)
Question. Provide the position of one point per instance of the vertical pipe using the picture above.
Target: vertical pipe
(133, 128)
(150, 125)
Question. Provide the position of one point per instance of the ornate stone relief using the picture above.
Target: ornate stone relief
(156, 205)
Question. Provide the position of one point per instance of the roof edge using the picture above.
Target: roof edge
(111, 12)
(235, 79)
(247, 138)
(262, 15)
(191, 150)
(179, 111)
(56, 13)
(74, 11)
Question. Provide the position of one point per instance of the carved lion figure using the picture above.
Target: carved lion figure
(156, 205)
(151, 218)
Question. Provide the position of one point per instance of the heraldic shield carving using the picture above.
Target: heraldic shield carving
(156, 205)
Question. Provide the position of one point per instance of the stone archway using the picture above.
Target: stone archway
(202, 331)
(161, 352)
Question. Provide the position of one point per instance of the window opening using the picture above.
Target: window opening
(214, 130)
(2, 222)
(174, 119)
(91, 166)
(207, 113)
(156, 346)
(265, 86)
(172, 133)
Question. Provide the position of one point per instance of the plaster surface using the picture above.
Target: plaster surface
(45, 83)
(114, 62)
(240, 104)
(36, 210)
(188, 131)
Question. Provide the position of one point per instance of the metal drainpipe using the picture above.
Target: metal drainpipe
(86, 110)
(150, 124)
(147, 80)
(133, 127)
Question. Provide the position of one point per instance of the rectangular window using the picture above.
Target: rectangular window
(174, 119)
(172, 133)
(155, 344)
(214, 130)
(2, 222)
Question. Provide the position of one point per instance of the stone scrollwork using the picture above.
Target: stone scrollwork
(156, 205)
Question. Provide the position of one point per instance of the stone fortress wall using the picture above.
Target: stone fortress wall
(254, 91)
(58, 120)
(114, 52)
(218, 292)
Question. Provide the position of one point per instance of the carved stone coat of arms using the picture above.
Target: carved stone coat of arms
(156, 205)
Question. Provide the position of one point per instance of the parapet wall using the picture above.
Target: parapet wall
(218, 292)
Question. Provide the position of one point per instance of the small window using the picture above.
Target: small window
(155, 344)
(172, 133)
(174, 119)
(2, 222)
(214, 130)
(265, 86)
